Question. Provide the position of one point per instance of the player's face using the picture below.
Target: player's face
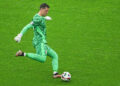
(45, 11)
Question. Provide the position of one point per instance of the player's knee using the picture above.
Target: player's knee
(42, 59)
(56, 56)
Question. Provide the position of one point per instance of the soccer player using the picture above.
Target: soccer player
(39, 40)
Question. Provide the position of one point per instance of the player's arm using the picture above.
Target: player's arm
(23, 31)
(26, 28)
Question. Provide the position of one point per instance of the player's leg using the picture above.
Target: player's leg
(40, 53)
(36, 57)
(39, 56)
(54, 56)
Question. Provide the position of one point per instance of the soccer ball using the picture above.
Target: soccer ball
(66, 76)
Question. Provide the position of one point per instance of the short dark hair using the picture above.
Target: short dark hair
(44, 5)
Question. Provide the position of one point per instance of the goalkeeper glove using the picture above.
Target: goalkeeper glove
(18, 38)
(48, 18)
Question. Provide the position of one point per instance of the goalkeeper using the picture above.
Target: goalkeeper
(39, 40)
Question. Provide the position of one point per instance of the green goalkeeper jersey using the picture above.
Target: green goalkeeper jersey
(39, 26)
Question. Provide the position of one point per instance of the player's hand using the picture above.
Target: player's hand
(18, 38)
(48, 18)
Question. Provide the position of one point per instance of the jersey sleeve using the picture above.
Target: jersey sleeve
(28, 26)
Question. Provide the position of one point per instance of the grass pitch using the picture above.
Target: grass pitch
(84, 33)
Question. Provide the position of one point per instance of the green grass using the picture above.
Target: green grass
(84, 33)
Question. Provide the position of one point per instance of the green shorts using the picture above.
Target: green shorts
(41, 48)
